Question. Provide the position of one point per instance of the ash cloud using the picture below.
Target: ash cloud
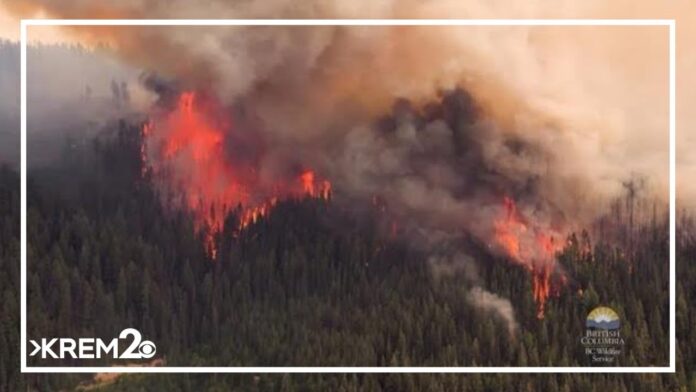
(443, 170)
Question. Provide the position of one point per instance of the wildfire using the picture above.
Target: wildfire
(509, 230)
(253, 214)
(185, 150)
(312, 188)
(541, 287)
(531, 246)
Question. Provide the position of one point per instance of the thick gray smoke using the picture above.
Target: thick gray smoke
(444, 169)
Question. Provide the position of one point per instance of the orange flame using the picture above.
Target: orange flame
(312, 188)
(307, 179)
(509, 230)
(185, 150)
(541, 287)
(531, 246)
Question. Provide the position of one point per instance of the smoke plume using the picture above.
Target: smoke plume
(491, 302)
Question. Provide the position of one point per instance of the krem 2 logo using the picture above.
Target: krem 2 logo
(91, 348)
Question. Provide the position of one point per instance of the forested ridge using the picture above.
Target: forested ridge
(309, 286)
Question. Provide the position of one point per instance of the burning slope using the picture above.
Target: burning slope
(531, 246)
(207, 165)
(185, 150)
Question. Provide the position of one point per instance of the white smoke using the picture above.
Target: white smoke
(493, 303)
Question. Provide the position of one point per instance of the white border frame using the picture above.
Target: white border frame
(25, 23)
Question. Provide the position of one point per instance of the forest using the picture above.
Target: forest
(312, 285)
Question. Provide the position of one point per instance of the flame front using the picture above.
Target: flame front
(531, 246)
(509, 229)
(184, 149)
